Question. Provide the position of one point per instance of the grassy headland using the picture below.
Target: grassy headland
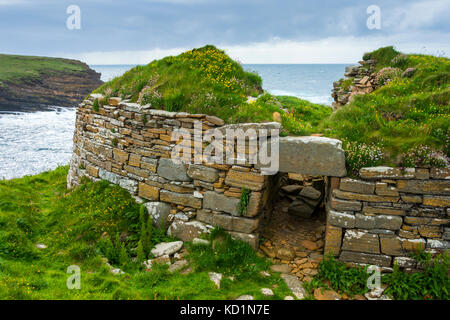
(14, 68)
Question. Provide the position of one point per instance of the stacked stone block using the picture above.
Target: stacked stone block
(387, 214)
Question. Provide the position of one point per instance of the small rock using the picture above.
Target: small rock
(165, 259)
(289, 298)
(292, 189)
(309, 245)
(326, 294)
(200, 241)
(216, 278)
(264, 274)
(294, 285)
(116, 271)
(148, 264)
(283, 268)
(311, 193)
(178, 265)
(167, 248)
(41, 246)
(267, 292)
(245, 297)
(285, 254)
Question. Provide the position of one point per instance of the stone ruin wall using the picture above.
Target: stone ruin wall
(130, 145)
(387, 214)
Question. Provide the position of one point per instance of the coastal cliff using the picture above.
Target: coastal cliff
(34, 83)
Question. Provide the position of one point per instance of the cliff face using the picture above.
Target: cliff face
(46, 87)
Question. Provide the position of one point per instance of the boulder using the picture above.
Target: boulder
(187, 231)
(301, 209)
(166, 248)
(158, 211)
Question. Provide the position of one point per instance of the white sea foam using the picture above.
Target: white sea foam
(31, 143)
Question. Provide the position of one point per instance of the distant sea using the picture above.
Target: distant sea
(31, 143)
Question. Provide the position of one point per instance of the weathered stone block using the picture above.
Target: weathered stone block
(310, 193)
(148, 192)
(254, 205)
(340, 219)
(149, 164)
(333, 240)
(92, 171)
(312, 155)
(388, 222)
(361, 241)
(120, 155)
(411, 199)
(357, 186)
(391, 245)
(440, 173)
(440, 187)
(364, 222)
(430, 231)
(135, 160)
(363, 197)
(237, 224)
(171, 170)
(383, 189)
(387, 173)
(205, 216)
(436, 201)
(158, 211)
(366, 258)
(249, 180)
(203, 173)
(219, 202)
(413, 244)
(187, 200)
(438, 244)
(383, 211)
(343, 205)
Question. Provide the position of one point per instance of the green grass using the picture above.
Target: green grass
(403, 115)
(81, 227)
(26, 69)
(432, 282)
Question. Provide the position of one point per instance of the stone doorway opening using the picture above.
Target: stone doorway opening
(293, 234)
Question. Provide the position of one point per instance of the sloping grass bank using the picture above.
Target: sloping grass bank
(98, 221)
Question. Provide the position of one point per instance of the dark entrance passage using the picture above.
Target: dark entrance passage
(293, 235)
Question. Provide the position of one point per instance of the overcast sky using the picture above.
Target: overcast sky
(252, 31)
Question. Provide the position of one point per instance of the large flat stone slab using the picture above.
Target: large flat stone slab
(317, 156)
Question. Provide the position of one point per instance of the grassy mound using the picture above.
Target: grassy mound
(206, 80)
(97, 221)
(406, 121)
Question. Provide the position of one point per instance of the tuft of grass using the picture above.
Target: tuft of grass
(431, 283)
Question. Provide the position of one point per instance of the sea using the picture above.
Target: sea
(34, 142)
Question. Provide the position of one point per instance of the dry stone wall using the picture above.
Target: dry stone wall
(387, 214)
(377, 219)
(130, 145)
